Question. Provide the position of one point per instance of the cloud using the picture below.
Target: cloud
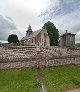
(60, 7)
(6, 27)
(9, 18)
(23, 13)
(65, 15)
(66, 7)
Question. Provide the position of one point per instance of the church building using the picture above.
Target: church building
(37, 38)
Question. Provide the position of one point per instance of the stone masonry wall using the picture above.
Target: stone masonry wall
(45, 57)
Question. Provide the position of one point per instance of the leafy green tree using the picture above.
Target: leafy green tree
(13, 38)
(53, 33)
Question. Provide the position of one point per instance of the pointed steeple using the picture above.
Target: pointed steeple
(29, 31)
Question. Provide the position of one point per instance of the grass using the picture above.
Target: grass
(62, 78)
(57, 79)
(24, 80)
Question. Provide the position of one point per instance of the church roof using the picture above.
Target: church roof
(33, 34)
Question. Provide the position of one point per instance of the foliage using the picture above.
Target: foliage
(52, 32)
(13, 38)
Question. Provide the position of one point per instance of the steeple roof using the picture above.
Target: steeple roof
(29, 31)
(29, 28)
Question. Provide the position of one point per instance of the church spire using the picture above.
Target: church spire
(29, 28)
(29, 31)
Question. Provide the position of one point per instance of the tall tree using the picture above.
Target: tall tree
(13, 38)
(52, 32)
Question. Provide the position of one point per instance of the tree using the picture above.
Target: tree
(52, 32)
(13, 38)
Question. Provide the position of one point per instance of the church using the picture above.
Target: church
(37, 38)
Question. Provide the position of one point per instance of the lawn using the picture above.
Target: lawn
(57, 79)
(62, 78)
(24, 80)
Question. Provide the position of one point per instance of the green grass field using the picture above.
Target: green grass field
(57, 79)
(24, 80)
(62, 78)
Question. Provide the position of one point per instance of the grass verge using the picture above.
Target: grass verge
(57, 79)
(24, 80)
(62, 78)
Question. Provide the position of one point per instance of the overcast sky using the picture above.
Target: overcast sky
(16, 15)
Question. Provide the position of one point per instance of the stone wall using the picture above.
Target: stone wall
(45, 57)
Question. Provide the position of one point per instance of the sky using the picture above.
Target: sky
(16, 15)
